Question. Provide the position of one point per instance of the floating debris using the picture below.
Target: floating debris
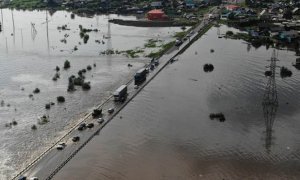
(33, 127)
(36, 91)
(86, 86)
(56, 76)
(43, 120)
(285, 72)
(67, 64)
(47, 106)
(89, 67)
(78, 81)
(219, 116)
(63, 27)
(94, 64)
(212, 50)
(8, 125)
(208, 67)
(268, 73)
(22, 89)
(60, 99)
(30, 95)
(97, 113)
(85, 38)
(14, 123)
(71, 87)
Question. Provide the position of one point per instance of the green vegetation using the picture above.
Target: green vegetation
(180, 35)
(133, 53)
(151, 43)
(27, 4)
(163, 50)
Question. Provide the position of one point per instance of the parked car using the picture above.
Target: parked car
(90, 125)
(100, 120)
(75, 138)
(61, 146)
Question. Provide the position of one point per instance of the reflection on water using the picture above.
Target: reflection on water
(166, 132)
(270, 101)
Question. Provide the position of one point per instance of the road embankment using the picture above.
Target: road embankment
(146, 23)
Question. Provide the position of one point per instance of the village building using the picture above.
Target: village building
(156, 14)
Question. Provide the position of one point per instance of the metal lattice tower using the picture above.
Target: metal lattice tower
(270, 101)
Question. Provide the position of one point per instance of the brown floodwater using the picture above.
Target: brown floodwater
(30, 49)
(166, 132)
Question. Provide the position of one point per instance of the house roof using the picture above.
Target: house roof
(232, 7)
(295, 10)
(156, 11)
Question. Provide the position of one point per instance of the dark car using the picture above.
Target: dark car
(76, 138)
(90, 125)
(22, 178)
(82, 127)
(178, 43)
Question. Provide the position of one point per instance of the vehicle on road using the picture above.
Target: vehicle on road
(61, 146)
(82, 127)
(100, 120)
(75, 138)
(178, 42)
(90, 125)
(34, 178)
(22, 178)
(121, 93)
(111, 110)
(140, 76)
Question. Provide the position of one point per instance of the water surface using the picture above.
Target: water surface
(166, 132)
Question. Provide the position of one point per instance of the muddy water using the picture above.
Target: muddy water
(31, 48)
(166, 132)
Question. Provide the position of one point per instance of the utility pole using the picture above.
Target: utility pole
(13, 21)
(270, 101)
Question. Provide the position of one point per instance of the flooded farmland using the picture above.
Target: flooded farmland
(32, 44)
(166, 131)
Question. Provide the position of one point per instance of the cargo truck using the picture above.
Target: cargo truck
(140, 76)
(120, 94)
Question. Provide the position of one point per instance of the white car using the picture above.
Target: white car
(100, 120)
(34, 178)
(111, 110)
(61, 146)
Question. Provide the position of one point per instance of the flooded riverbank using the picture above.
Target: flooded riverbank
(166, 132)
(30, 50)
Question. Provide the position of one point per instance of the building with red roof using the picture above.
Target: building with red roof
(156, 14)
(232, 7)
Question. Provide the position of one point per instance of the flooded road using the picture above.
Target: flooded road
(31, 48)
(166, 132)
